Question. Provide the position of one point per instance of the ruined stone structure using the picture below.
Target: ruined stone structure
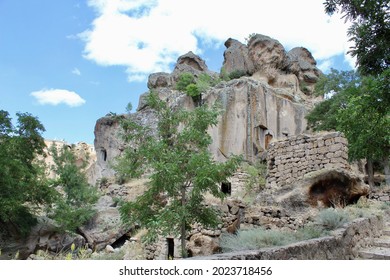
(290, 159)
(313, 170)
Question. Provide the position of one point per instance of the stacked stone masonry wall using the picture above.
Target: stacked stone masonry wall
(290, 159)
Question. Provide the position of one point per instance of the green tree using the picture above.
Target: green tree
(365, 121)
(360, 109)
(338, 85)
(23, 185)
(182, 170)
(75, 206)
(370, 31)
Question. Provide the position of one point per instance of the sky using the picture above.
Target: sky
(71, 62)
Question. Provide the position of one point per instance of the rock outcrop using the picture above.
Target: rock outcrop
(105, 228)
(257, 109)
(236, 58)
(265, 59)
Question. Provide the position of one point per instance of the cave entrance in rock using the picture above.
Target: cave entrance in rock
(103, 154)
(120, 241)
(226, 188)
(331, 192)
(170, 248)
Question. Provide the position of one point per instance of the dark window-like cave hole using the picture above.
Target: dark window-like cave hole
(226, 188)
(103, 154)
(171, 248)
(120, 241)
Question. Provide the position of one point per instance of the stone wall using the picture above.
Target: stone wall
(290, 159)
(343, 244)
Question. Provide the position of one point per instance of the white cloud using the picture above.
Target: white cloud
(146, 36)
(58, 96)
(76, 71)
(325, 65)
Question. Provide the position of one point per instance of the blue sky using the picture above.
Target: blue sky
(71, 62)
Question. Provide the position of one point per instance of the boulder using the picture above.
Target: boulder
(106, 227)
(159, 80)
(236, 58)
(190, 63)
(301, 63)
(43, 236)
(266, 53)
(202, 245)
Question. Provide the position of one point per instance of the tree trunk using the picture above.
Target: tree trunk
(370, 172)
(183, 224)
(386, 170)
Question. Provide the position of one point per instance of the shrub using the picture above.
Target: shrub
(192, 90)
(184, 80)
(254, 239)
(331, 218)
(256, 176)
(224, 75)
(309, 231)
(236, 74)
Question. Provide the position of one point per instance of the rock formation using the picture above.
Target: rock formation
(264, 106)
(266, 103)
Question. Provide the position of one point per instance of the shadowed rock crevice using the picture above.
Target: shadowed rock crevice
(334, 190)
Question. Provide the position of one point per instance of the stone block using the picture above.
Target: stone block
(329, 142)
(336, 147)
(341, 140)
(320, 143)
(330, 155)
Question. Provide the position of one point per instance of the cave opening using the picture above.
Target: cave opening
(103, 154)
(120, 241)
(331, 192)
(226, 188)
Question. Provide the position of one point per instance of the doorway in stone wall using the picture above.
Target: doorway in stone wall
(268, 139)
(170, 248)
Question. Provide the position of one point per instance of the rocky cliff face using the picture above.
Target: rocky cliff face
(267, 103)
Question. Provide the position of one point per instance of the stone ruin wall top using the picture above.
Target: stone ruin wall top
(290, 159)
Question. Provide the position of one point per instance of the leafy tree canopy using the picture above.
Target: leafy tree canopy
(370, 31)
(75, 206)
(360, 108)
(23, 185)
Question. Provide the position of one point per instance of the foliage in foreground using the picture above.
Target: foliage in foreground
(75, 206)
(23, 185)
(182, 170)
(365, 99)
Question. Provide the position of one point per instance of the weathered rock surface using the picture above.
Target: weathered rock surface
(236, 58)
(301, 63)
(253, 115)
(190, 63)
(109, 142)
(266, 59)
(266, 53)
(202, 245)
(105, 228)
(43, 236)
